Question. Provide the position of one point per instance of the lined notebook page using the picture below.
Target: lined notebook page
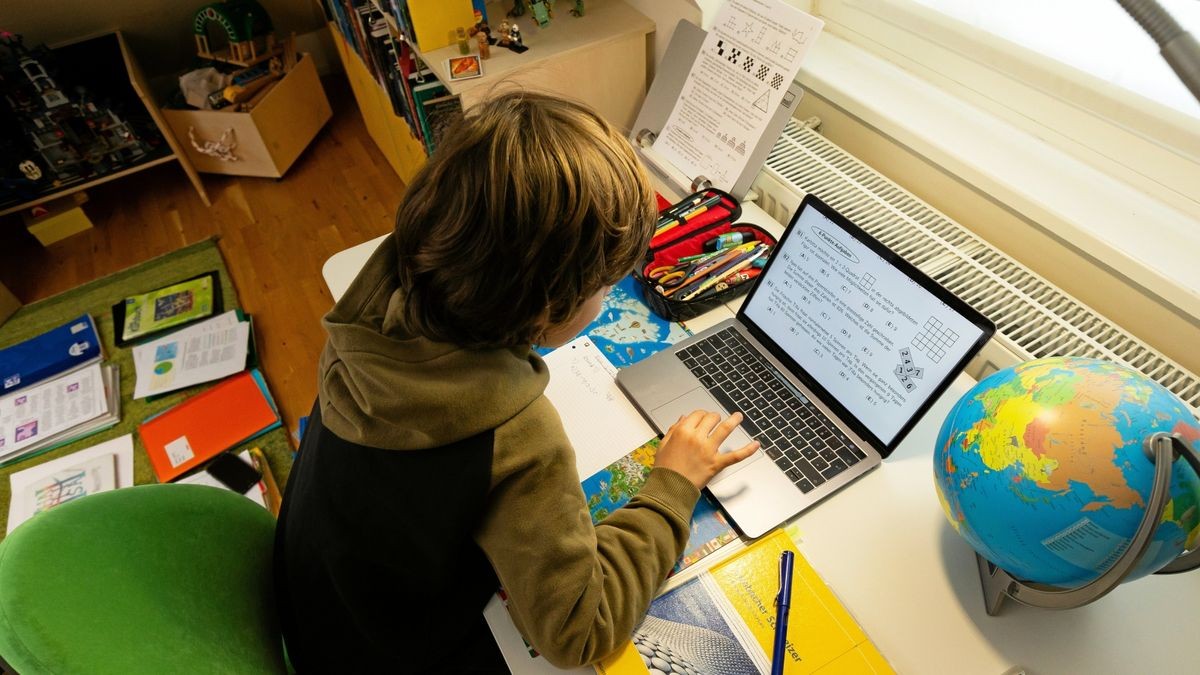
(600, 422)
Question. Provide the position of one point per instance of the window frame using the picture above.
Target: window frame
(1144, 143)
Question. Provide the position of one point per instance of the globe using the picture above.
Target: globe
(1041, 468)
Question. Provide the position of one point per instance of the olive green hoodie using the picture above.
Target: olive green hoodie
(575, 590)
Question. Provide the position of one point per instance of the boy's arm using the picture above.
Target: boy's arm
(575, 591)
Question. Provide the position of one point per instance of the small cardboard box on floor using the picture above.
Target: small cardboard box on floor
(57, 220)
(9, 304)
(262, 142)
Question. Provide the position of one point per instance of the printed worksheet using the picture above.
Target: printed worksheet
(203, 352)
(105, 466)
(602, 424)
(749, 59)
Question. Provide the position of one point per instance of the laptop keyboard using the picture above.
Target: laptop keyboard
(794, 433)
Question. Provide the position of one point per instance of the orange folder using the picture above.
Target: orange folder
(207, 424)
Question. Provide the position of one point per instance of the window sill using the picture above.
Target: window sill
(1148, 242)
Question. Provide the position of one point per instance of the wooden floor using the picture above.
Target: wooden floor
(275, 235)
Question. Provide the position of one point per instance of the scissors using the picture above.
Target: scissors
(668, 276)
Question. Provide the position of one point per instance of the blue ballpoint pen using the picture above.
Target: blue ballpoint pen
(783, 604)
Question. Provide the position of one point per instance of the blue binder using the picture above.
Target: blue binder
(70, 346)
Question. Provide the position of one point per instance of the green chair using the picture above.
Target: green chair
(147, 579)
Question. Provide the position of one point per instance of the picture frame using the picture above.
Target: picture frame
(464, 67)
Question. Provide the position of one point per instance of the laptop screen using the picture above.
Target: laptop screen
(875, 337)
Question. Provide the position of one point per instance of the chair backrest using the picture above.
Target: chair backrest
(146, 579)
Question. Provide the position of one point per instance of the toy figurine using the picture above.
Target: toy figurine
(518, 8)
(542, 12)
(485, 51)
(578, 11)
(508, 35)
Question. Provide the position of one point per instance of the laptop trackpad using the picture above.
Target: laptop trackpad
(667, 414)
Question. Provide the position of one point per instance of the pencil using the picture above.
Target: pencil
(729, 255)
(716, 278)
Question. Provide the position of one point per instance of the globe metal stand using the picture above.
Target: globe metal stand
(1162, 449)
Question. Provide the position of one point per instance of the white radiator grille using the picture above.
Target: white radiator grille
(1033, 317)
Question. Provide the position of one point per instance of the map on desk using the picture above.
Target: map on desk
(613, 486)
(626, 330)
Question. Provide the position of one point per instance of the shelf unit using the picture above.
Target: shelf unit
(600, 59)
(138, 81)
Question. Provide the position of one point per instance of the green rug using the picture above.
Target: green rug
(96, 298)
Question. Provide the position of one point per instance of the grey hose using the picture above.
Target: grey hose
(1177, 46)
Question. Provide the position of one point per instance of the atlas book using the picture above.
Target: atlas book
(72, 345)
(612, 487)
(170, 307)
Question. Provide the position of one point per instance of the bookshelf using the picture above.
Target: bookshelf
(391, 134)
(600, 59)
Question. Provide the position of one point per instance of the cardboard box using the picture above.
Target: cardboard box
(9, 303)
(57, 220)
(262, 142)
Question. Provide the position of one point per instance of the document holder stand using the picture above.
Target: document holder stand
(660, 101)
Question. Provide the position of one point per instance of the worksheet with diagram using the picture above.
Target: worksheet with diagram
(750, 57)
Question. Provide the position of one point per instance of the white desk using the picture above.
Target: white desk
(885, 547)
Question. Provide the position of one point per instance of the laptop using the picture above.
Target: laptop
(838, 350)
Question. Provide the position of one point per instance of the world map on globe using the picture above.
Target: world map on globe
(1041, 468)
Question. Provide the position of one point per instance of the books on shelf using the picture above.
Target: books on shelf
(441, 114)
(58, 411)
(202, 352)
(184, 437)
(72, 345)
(102, 467)
(382, 34)
(422, 93)
(723, 621)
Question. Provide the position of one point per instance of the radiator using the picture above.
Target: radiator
(1034, 318)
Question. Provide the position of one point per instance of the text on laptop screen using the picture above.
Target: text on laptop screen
(871, 336)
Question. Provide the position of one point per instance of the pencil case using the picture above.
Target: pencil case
(685, 239)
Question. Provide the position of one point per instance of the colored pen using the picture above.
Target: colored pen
(735, 279)
(783, 606)
(684, 207)
(736, 266)
(681, 220)
(702, 273)
(728, 256)
(683, 215)
(699, 256)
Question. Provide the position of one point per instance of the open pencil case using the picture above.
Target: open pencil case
(688, 238)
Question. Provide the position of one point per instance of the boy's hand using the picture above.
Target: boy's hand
(692, 446)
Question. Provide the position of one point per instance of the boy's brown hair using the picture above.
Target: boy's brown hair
(529, 207)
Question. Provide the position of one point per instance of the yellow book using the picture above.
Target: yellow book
(723, 622)
(434, 21)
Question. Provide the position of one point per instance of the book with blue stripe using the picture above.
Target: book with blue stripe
(72, 345)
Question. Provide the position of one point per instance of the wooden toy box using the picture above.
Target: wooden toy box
(264, 141)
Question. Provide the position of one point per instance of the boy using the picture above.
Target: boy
(434, 469)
